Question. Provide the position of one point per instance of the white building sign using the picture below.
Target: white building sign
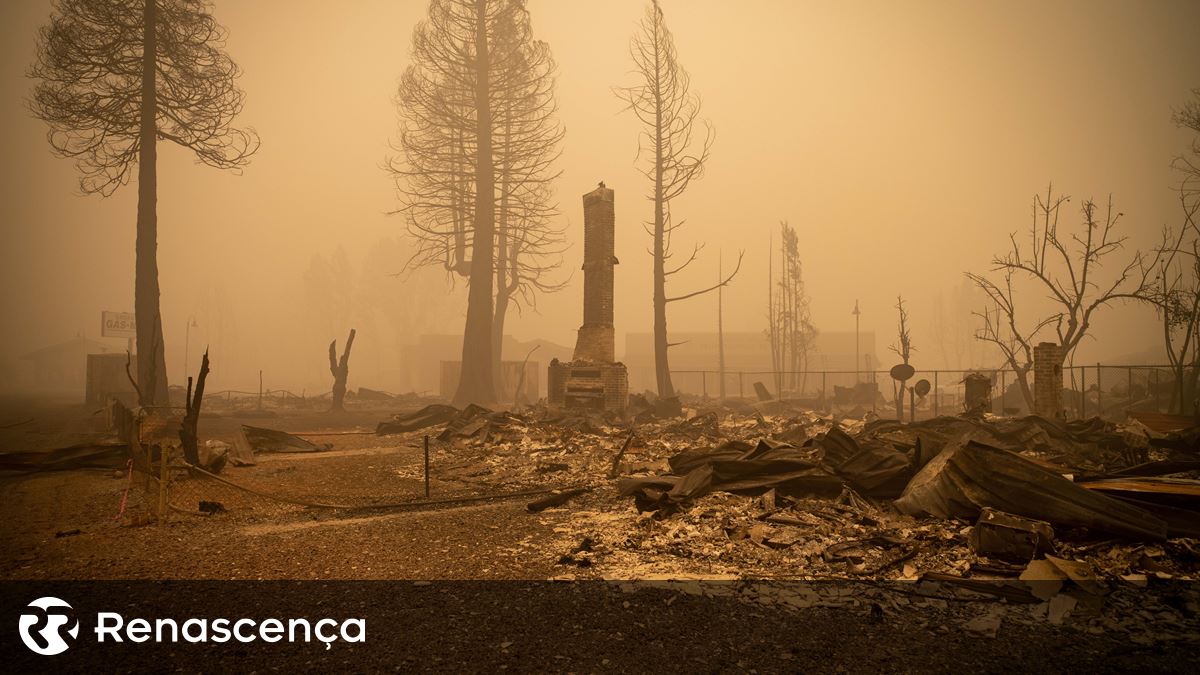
(118, 325)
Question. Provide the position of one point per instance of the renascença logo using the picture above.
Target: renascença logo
(43, 624)
(46, 619)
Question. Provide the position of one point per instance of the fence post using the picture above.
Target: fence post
(1099, 393)
(1129, 387)
(1157, 403)
(935, 393)
(1082, 393)
(704, 382)
(740, 394)
(824, 395)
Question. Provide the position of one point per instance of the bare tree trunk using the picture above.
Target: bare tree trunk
(662, 369)
(188, 431)
(152, 365)
(788, 348)
(773, 318)
(503, 292)
(498, 318)
(667, 111)
(476, 383)
(340, 371)
(1022, 377)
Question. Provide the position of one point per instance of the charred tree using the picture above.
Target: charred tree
(116, 77)
(1068, 269)
(478, 140)
(1188, 164)
(188, 432)
(1175, 296)
(340, 369)
(528, 246)
(1175, 290)
(904, 349)
(904, 346)
(790, 330)
(662, 101)
(774, 324)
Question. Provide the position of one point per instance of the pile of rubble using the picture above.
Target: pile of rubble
(1076, 519)
(838, 491)
(1035, 503)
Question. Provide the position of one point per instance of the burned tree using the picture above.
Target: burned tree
(528, 246)
(790, 331)
(116, 77)
(1175, 290)
(1175, 296)
(188, 431)
(479, 140)
(1188, 164)
(340, 369)
(904, 349)
(904, 346)
(952, 325)
(669, 112)
(1068, 270)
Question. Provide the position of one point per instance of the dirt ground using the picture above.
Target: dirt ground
(65, 525)
(71, 525)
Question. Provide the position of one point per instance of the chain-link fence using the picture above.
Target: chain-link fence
(1087, 390)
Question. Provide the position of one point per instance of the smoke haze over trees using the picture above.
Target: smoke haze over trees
(479, 139)
(117, 76)
(866, 196)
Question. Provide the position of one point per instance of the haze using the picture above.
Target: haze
(904, 141)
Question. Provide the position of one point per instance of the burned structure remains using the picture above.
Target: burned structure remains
(1048, 380)
(593, 379)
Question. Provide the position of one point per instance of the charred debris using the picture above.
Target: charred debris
(817, 494)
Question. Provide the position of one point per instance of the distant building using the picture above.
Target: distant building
(510, 380)
(748, 353)
(62, 368)
(423, 369)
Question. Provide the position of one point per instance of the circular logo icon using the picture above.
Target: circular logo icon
(44, 623)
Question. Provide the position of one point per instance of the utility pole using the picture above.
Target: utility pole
(856, 355)
(720, 332)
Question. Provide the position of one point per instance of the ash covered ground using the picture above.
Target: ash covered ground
(783, 509)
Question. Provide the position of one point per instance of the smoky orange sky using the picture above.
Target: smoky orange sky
(904, 141)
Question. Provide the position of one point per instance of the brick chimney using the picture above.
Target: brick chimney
(1047, 380)
(596, 340)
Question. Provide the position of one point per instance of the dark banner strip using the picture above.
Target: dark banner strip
(515, 626)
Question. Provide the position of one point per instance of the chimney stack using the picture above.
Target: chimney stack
(596, 341)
